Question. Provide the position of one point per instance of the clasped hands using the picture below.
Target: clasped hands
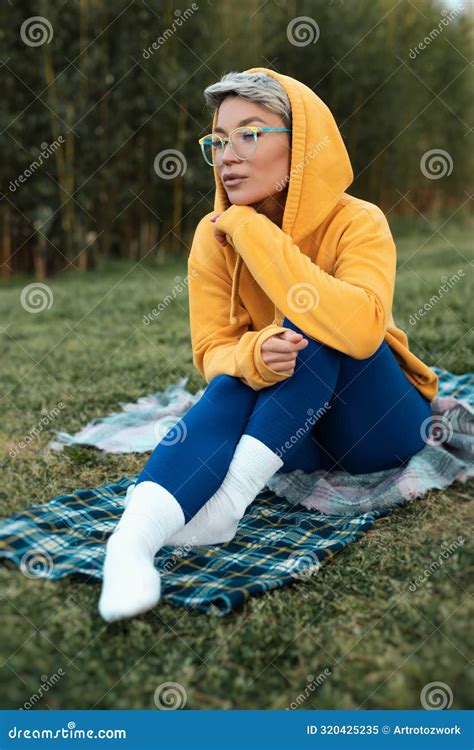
(279, 352)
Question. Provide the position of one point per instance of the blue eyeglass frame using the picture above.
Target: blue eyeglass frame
(227, 139)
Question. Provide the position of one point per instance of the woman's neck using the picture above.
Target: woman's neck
(273, 207)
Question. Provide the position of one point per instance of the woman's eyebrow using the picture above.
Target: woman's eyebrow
(242, 122)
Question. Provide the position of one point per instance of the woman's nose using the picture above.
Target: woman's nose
(228, 155)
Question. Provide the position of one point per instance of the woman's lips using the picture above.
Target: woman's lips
(236, 181)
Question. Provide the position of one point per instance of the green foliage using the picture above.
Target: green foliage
(117, 102)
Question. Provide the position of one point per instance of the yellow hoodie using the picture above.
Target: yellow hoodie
(330, 269)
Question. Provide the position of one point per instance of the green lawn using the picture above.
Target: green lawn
(357, 618)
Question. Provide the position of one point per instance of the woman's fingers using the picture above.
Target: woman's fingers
(276, 344)
(271, 357)
(281, 366)
(280, 351)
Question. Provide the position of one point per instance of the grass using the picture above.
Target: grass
(358, 618)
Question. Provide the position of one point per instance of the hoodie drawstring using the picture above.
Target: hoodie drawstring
(234, 318)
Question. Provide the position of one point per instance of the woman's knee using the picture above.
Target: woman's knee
(226, 384)
(224, 381)
(231, 392)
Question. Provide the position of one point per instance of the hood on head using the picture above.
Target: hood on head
(320, 169)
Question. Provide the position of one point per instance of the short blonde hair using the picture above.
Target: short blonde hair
(257, 87)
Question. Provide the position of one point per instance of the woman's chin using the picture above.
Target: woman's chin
(239, 200)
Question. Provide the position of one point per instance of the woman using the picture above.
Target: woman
(329, 383)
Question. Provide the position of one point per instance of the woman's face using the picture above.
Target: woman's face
(268, 168)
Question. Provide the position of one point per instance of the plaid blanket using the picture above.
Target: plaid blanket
(275, 545)
(447, 456)
(287, 533)
(136, 428)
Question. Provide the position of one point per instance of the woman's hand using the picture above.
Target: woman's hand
(220, 236)
(279, 352)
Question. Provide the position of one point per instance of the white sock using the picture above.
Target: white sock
(252, 465)
(131, 584)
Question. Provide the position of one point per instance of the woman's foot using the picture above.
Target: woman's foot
(208, 526)
(131, 584)
(217, 521)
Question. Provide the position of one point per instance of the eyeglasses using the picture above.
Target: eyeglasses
(243, 142)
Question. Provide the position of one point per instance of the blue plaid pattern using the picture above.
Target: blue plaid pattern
(275, 545)
(278, 541)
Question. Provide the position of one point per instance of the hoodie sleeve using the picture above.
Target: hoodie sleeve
(220, 347)
(349, 310)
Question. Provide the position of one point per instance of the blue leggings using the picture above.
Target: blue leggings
(334, 412)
